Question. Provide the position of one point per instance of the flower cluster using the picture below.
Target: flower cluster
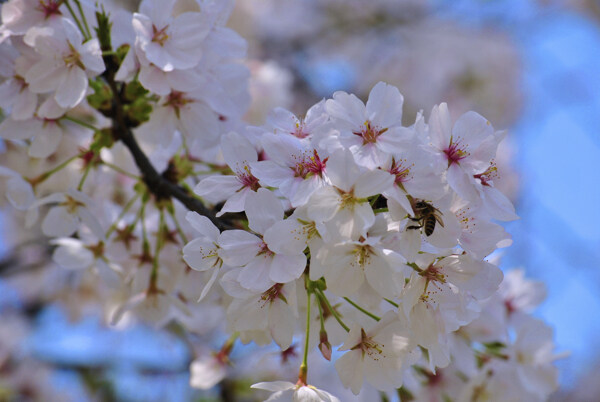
(347, 225)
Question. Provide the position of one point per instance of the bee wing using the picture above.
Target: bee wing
(438, 218)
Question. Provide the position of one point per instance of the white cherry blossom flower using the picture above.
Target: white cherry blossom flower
(66, 63)
(202, 253)
(344, 202)
(373, 131)
(18, 16)
(72, 210)
(375, 355)
(315, 124)
(466, 148)
(273, 310)
(170, 41)
(238, 153)
(18, 190)
(285, 391)
(295, 169)
(75, 254)
(14, 91)
(263, 266)
(207, 371)
(348, 264)
(183, 112)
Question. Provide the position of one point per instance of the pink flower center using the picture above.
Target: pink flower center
(488, 176)
(177, 100)
(370, 347)
(455, 152)
(247, 179)
(49, 7)
(310, 166)
(300, 131)
(433, 274)
(159, 35)
(273, 293)
(401, 169)
(369, 134)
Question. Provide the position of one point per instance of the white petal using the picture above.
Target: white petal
(72, 90)
(75, 256)
(440, 126)
(498, 205)
(59, 223)
(281, 323)
(384, 107)
(203, 225)
(239, 247)
(472, 128)
(286, 268)
(20, 193)
(24, 105)
(323, 204)
(91, 221)
(200, 254)
(154, 79)
(286, 236)
(273, 386)
(462, 183)
(255, 275)
(263, 210)
(91, 56)
(208, 285)
(342, 170)
(350, 370)
(347, 109)
(237, 151)
(372, 182)
(218, 188)
(45, 142)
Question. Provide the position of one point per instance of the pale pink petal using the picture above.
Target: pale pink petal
(239, 247)
(281, 324)
(286, 268)
(72, 90)
(384, 107)
(45, 142)
(372, 182)
(203, 225)
(263, 210)
(59, 223)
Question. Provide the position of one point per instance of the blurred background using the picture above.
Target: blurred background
(531, 67)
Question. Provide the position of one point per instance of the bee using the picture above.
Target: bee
(426, 215)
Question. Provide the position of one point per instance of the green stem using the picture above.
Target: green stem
(87, 28)
(157, 248)
(321, 318)
(380, 210)
(80, 122)
(178, 227)
(118, 169)
(122, 214)
(85, 175)
(362, 310)
(322, 296)
(391, 302)
(304, 366)
(85, 37)
(414, 266)
(143, 215)
(36, 180)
